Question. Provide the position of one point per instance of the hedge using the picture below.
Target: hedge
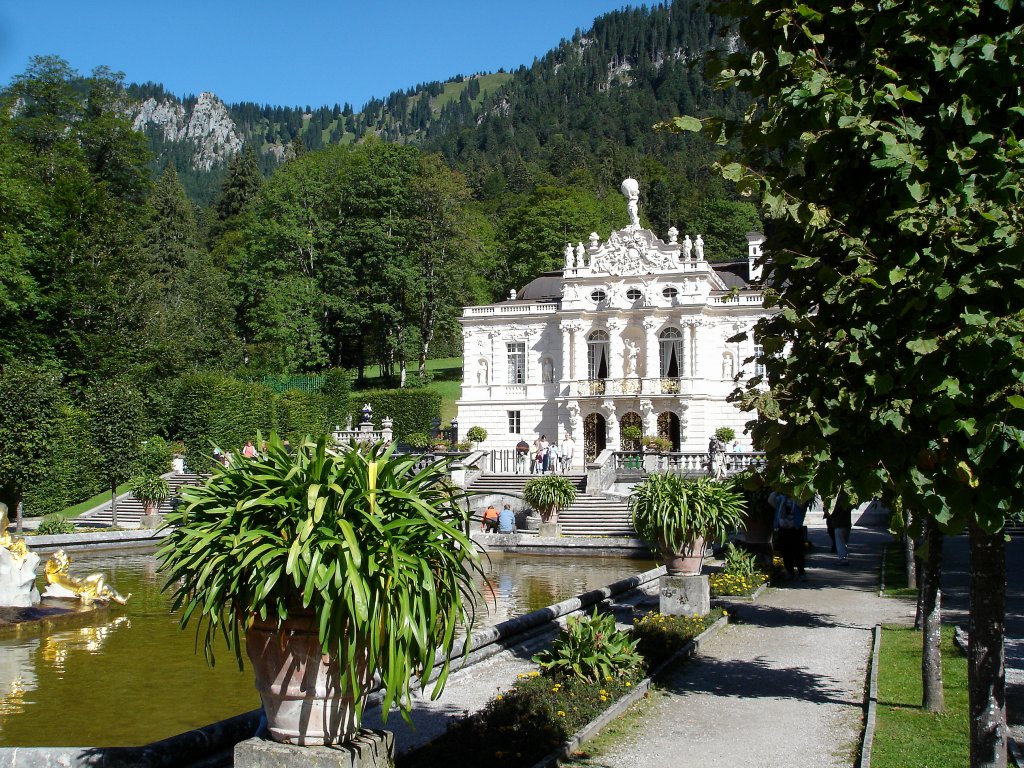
(72, 468)
(413, 410)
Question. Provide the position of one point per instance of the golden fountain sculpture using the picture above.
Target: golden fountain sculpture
(17, 568)
(89, 589)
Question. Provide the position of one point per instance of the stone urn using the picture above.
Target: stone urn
(686, 562)
(299, 685)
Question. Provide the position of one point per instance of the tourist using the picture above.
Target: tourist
(841, 519)
(789, 522)
(249, 451)
(506, 520)
(522, 453)
(553, 466)
(543, 445)
(566, 453)
(489, 524)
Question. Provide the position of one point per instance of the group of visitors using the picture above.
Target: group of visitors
(544, 456)
(498, 522)
(789, 525)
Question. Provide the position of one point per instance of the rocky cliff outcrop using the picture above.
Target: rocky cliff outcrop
(208, 126)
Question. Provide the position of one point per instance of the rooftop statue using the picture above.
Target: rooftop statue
(631, 189)
(17, 568)
(89, 589)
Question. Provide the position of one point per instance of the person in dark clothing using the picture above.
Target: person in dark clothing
(841, 519)
(789, 522)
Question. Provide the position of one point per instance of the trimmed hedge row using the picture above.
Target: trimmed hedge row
(72, 467)
(413, 410)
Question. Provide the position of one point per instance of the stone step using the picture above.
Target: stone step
(130, 510)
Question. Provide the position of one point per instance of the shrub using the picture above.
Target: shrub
(549, 494)
(55, 525)
(657, 444)
(591, 649)
(631, 433)
(155, 457)
(71, 473)
(150, 489)
(413, 410)
(659, 636)
(476, 434)
(739, 562)
(671, 510)
(419, 441)
(725, 434)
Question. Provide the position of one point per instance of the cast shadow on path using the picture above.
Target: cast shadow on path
(771, 616)
(757, 679)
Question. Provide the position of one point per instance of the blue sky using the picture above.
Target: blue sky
(289, 53)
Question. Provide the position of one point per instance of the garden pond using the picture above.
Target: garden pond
(130, 676)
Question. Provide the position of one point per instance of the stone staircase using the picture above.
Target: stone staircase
(588, 516)
(130, 510)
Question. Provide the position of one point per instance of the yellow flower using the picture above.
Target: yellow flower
(629, 685)
(535, 673)
(560, 713)
(499, 697)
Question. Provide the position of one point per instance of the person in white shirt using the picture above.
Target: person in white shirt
(566, 453)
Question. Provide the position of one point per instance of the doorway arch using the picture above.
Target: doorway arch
(594, 428)
(668, 427)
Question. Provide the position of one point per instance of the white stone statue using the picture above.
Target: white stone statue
(568, 256)
(687, 248)
(17, 569)
(631, 189)
(673, 236)
(698, 248)
(481, 371)
(581, 256)
(629, 361)
(512, 294)
(595, 240)
(547, 371)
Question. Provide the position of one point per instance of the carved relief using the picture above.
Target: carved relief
(633, 252)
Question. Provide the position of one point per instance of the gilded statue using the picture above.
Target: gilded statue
(13, 544)
(89, 589)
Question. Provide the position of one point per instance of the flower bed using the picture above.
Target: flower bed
(741, 577)
(542, 710)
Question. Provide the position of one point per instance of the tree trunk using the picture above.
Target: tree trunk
(910, 556)
(113, 505)
(930, 603)
(986, 673)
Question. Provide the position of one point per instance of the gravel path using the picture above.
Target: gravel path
(784, 685)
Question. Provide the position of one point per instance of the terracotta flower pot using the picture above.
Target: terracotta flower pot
(688, 561)
(299, 685)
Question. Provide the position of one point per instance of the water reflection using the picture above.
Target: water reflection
(131, 676)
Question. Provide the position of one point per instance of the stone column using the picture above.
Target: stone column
(579, 352)
(566, 369)
(697, 363)
(616, 348)
(652, 353)
(496, 378)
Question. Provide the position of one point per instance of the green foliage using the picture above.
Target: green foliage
(740, 562)
(150, 489)
(116, 427)
(55, 525)
(670, 510)
(359, 537)
(155, 458)
(660, 636)
(299, 414)
(419, 441)
(725, 434)
(591, 649)
(413, 410)
(657, 444)
(476, 434)
(549, 494)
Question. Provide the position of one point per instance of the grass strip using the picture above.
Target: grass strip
(895, 582)
(905, 734)
(100, 498)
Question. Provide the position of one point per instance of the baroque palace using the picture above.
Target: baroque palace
(632, 332)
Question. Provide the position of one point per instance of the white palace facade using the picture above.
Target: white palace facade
(633, 331)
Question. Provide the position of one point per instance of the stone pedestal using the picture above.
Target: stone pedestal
(549, 530)
(685, 595)
(370, 749)
(532, 523)
(151, 522)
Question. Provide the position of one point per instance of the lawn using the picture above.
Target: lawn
(896, 573)
(100, 498)
(904, 733)
(447, 382)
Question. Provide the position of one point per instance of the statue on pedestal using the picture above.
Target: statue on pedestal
(17, 568)
(631, 189)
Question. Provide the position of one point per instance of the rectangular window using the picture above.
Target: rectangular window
(516, 362)
(515, 422)
(758, 360)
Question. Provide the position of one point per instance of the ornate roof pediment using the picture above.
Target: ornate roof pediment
(634, 251)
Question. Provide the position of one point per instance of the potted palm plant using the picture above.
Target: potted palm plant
(152, 490)
(336, 566)
(548, 495)
(681, 516)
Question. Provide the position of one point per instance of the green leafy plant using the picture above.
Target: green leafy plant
(54, 525)
(739, 562)
(657, 444)
(359, 537)
(725, 434)
(419, 441)
(672, 510)
(631, 433)
(151, 490)
(476, 434)
(590, 649)
(155, 457)
(659, 635)
(548, 495)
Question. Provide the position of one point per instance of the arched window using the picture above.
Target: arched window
(597, 355)
(670, 343)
